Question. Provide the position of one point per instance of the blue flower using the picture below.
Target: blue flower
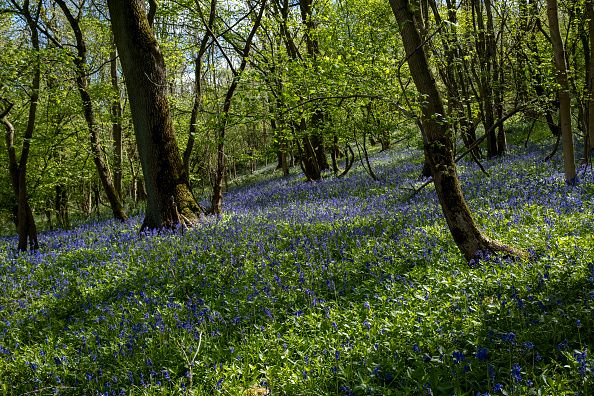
(528, 345)
(458, 356)
(516, 372)
(482, 353)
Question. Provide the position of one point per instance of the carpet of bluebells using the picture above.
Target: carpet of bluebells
(342, 287)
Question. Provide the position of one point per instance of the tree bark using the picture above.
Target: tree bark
(564, 98)
(438, 145)
(170, 201)
(82, 83)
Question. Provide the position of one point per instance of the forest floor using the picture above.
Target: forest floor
(342, 287)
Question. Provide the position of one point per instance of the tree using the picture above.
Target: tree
(564, 98)
(438, 144)
(590, 86)
(217, 194)
(25, 221)
(170, 201)
(82, 83)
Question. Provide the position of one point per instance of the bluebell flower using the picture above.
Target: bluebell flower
(516, 372)
(482, 353)
(458, 356)
(528, 345)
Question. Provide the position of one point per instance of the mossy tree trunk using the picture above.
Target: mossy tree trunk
(170, 201)
(438, 144)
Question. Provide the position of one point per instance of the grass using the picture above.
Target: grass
(339, 287)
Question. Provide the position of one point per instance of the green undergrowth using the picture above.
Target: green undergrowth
(344, 287)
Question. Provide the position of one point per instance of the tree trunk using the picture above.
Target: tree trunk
(456, 80)
(82, 83)
(564, 98)
(590, 13)
(312, 46)
(217, 195)
(439, 146)
(539, 87)
(485, 44)
(61, 206)
(116, 123)
(499, 77)
(197, 104)
(25, 222)
(170, 201)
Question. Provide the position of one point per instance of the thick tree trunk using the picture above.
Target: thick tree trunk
(82, 83)
(439, 146)
(564, 98)
(170, 200)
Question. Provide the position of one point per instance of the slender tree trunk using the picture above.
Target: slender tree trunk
(484, 44)
(82, 83)
(217, 196)
(456, 79)
(26, 228)
(61, 206)
(197, 105)
(316, 138)
(116, 123)
(590, 13)
(170, 201)
(499, 78)
(24, 220)
(439, 146)
(564, 98)
(539, 87)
